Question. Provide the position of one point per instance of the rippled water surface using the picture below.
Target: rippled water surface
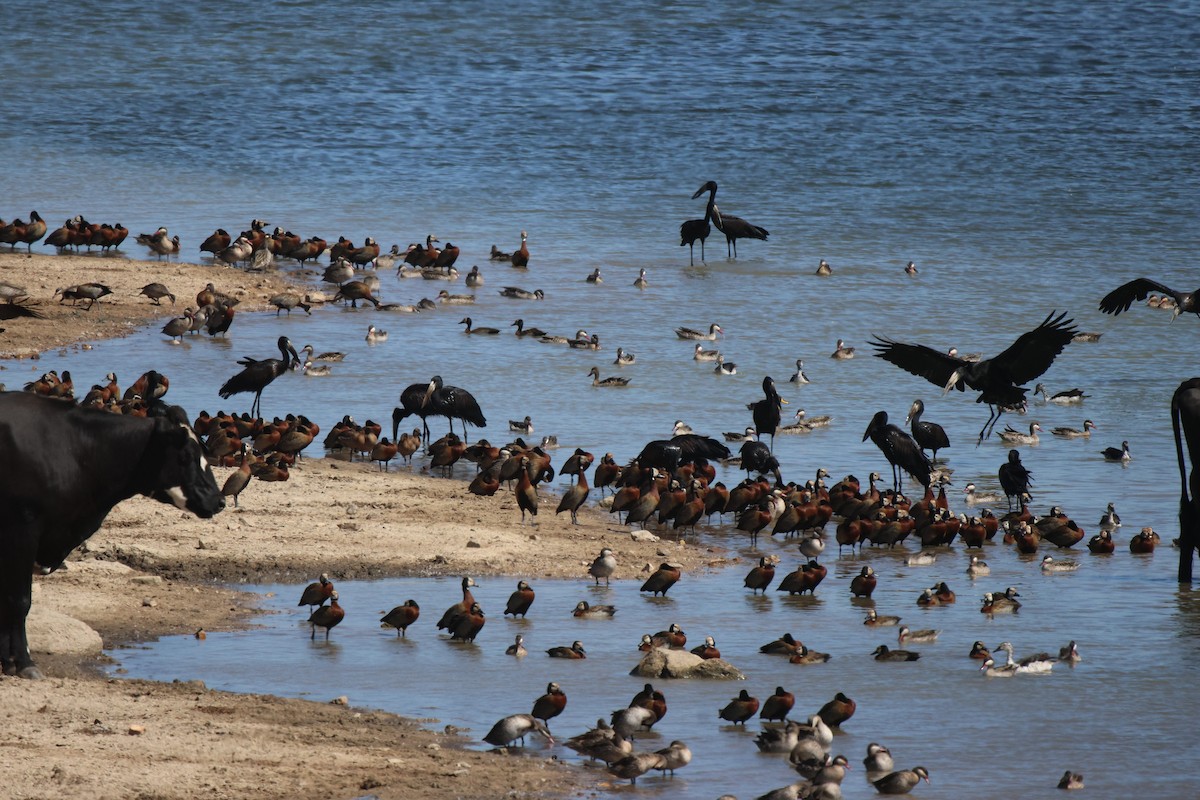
(1025, 159)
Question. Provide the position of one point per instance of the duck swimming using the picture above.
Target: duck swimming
(1050, 565)
(376, 335)
(690, 333)
(1012, 436)
(973, 495)
(904, 635)
(700, 354)
(586, 610)
(824, 269)
(640, 282)
(842, 352)
(724, 369)
(575, 651)
(1115, 454)
(1068, 397)
(610, 382)
(1075, 433)
(481, 331)
(882, 653)
(798, 376)
(978, 568)
(518, 293)
(624, 358)
(879, 621)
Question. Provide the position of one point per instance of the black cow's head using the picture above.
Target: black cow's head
(181, 475)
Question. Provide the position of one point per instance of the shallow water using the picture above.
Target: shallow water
(1026, 161)
(979, 737)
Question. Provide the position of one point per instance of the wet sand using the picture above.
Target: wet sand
(152, 571)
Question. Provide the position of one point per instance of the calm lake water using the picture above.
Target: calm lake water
(1026, 159)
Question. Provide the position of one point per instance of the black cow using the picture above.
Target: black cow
(63, 469)
(1185, 414)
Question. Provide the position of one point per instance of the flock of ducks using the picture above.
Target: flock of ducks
(467, 621)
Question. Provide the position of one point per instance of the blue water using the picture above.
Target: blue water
(1027, 159)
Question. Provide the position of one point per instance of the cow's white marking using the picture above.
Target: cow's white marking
(177, 497)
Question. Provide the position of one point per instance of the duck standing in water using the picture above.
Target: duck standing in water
(327, 616)
(401, 617)
(549, 705)
(740, 708)
(514, 727)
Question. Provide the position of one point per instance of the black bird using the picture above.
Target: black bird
(929, 435)
(733, 227)
(996, 379)
(694, 229)
(1116, 453)
(756, 457)
(1121, 298)
(768, 411)
(258, 374)
(412, 403)
(453, 403)
(694, 446)
(899, 449)
(669, 454)
(1015, 480)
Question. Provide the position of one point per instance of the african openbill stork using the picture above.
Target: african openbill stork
(694, 229)
(669, 454)
(756, 457)
(412, 403)
(1015, 480)
(767, 412)
(733, 227)
(929, 435)
(257, 374)
(453, 403)
(901, 451)
(996, 379)
(1121, 298)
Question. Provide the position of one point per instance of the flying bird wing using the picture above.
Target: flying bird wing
(1121, 298)
(1034, 351)
(932, 365)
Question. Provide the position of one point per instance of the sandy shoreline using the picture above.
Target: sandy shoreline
(153, 571)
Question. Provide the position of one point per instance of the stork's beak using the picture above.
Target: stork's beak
(428, 394)
(950, 383)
